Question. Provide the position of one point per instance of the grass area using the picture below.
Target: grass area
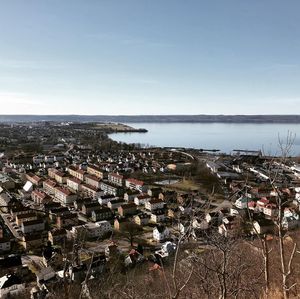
(185, 185)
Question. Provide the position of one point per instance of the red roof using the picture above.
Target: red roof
(50, 183)
(40, 194)
(64, 190)
(118, 176)
(135, 182)
(75, 180)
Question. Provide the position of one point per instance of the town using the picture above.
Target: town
(75, 205)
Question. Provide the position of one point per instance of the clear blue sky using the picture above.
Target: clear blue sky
(149, 57)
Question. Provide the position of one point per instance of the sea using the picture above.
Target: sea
(225, 137)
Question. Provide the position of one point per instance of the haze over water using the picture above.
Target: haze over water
(222, 136)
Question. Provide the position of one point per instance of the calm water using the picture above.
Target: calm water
(222, 136)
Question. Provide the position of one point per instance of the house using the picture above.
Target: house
(34, 179)
(95, 171)
(91, 191)
(57, 236)
(115, 204)
(242, 202)
(101, 214)
(154, 204)
(92, 230)
(60, 177)
(105, 199)
(111, 189)
(141, 199)
(88, 207)
(32, 226)
(142, 219)
(39, 197)
(5, 245)
(229, 226)
(15, 211)
(66, 220)
(64, 195)
(74, 184)
(168, 196)
(93, 181)
(20, 218)
(261, 203)
(119, 222)
(32, 241)
(133, 258)
(158, 216)
(154, 192)
(160, 233)
(130, 195)
(11, 285)
(45, 274)
(115, 179)
(78, 203)
(56, 211)
(262, 226)
(127, 209)
(290, 222)
(135, 184)
(270, 210)
(76, 172)
(49, 186)
(5, 201)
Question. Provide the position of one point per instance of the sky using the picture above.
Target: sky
(149, 57)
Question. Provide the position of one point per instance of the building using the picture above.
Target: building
(91, 191)
(32, 226)
(141, 199)
(142, 219)
(76, 172)
(130, 195)
(127, 209)
(135, 185)
(64, 195)
(34, 179)
(5, 201)
(74, 184)
(60, 177)
(25, 217)
(57, 236)
(101, 214)
(115, 179)
(88, 207)
(96, 171)
(111, 189)
(115, 204)
(39, 197)
(32, 241)
(154, 204)
(105, 199)
(93, 181)
(160, 233)
(158, 216)
(11, 285)
(4, 245)
(49, 186)
(66, 220)
(92, 230)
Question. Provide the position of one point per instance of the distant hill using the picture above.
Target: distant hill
(155, 118)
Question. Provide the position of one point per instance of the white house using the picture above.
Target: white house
(160, 233)
(241, 203)
(154, 204)
(141, 199)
